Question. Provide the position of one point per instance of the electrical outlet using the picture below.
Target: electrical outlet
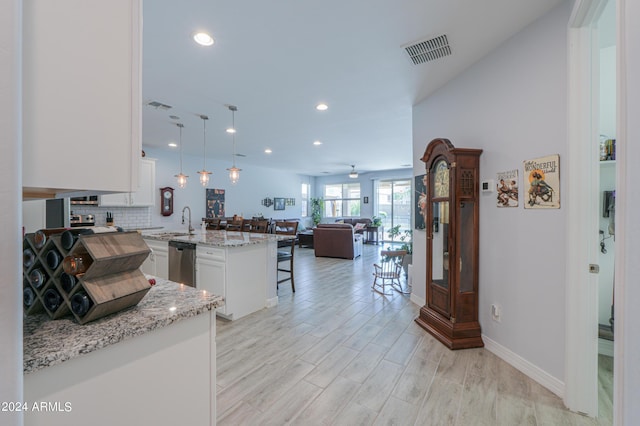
(496, 312)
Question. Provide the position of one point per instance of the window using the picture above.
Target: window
(305, 200)
(342, 200)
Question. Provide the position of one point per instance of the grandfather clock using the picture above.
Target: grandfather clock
(451, 312)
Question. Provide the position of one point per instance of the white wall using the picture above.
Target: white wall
(243, 198)
(11, 212)
(366, 185)
(512, 104)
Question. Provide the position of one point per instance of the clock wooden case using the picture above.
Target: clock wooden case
(166, 201)
(451, 312)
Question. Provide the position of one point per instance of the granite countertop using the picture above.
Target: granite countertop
(50, 342)
(217, 238)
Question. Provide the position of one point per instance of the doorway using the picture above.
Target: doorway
(592, 118)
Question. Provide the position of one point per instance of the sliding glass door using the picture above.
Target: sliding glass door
(394, 205)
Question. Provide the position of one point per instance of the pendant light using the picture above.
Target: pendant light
(204, 174)
(353, 174)
(234, 172)
(182, 178)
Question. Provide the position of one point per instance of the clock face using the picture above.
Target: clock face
(441, 180)
(167, 194)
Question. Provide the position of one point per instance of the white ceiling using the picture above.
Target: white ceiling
(275, 60)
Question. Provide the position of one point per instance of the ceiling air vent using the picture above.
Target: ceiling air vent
(428, 50)
(160, 105)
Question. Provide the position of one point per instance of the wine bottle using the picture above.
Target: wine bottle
(28, 258)
(69, 237)
(80, 303)
(52, 299)
(67, 282)
(37, 278)
(40, 236)
(77, 264)
(28, 296)
(53, 259)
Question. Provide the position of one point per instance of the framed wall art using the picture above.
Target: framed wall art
(278, 203)
(420, 203)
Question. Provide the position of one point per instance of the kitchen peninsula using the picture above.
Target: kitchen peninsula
(239, 266)
(153, 363)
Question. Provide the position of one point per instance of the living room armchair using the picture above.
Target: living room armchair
(336, 240)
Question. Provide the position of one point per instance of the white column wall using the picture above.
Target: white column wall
(627, 288)
(11, 387)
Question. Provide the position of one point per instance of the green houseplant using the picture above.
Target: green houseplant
(317, 205)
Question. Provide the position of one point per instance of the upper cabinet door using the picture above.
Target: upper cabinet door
(81, 95)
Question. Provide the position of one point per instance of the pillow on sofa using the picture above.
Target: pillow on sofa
(360, 226)
(340, 221)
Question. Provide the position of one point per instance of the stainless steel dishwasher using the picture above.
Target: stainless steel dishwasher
(182, 262)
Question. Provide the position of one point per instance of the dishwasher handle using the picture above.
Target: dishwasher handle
(180, 246)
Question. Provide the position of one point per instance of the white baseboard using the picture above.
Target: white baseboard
(532, 371)
(417, 300)
(272, 302)
(605, 347)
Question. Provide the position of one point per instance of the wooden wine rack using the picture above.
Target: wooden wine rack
(113, 281)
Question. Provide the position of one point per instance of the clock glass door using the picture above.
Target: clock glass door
(440, 271)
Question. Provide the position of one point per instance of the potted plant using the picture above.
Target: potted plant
(317, 205)
(406, 241)
(376, 221)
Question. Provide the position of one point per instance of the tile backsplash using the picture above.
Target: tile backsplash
(125, 217)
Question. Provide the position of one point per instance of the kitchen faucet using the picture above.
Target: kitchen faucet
(191, 230)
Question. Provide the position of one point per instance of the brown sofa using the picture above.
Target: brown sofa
(336, 240)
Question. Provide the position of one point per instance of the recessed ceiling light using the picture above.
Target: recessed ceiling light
(203, 39)
(268, 151)
(231, 130)
(317, 143)
(173, 145)
(322, 107)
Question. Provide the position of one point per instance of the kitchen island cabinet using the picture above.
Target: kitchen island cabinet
(154, 363)
(239, 266)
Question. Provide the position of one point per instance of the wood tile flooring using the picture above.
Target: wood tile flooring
(336, 353)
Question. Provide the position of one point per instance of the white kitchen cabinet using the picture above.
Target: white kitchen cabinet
(144, 196)
(81, 96)
(157, 263)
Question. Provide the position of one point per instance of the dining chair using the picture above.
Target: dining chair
(213, 224)
(260, 226)
(286, 249)
(388, 272)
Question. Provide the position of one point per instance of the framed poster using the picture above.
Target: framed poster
(507, 188)
(420, 201)
(215, 202)
(278, 203)
(542, 182)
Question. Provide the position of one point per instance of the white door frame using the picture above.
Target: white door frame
(581, 344)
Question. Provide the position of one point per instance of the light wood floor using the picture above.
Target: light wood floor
(335, 353)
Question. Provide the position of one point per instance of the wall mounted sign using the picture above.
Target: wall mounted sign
(542, 182)
(507, 188)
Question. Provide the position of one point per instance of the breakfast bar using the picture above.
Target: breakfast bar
(239, 266)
